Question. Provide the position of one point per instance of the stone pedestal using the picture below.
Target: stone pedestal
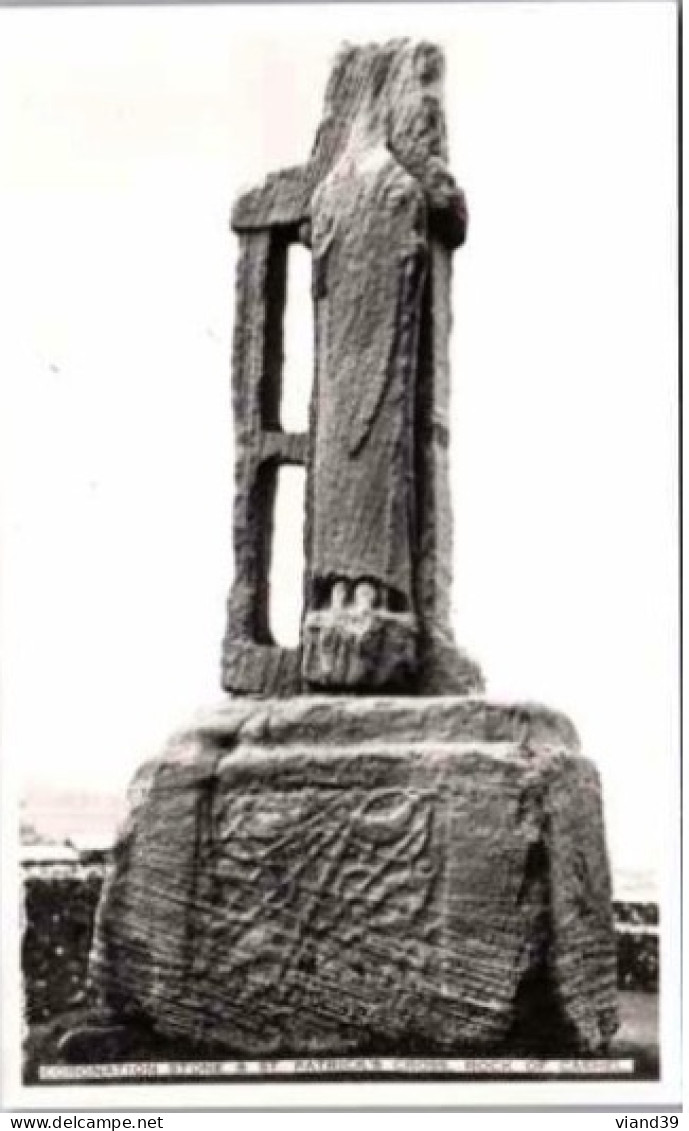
(324, 876)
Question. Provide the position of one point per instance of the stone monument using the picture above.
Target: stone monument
(358, 851)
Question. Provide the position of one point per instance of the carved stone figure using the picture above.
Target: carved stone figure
(381, 213)
(369, 247)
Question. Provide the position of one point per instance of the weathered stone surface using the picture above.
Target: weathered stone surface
(60, 902)
(406, 79)
(252, 662)
(327, 875)
(353, 648)
(369, 247)
(382, 213)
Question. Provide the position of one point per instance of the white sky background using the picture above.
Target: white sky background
(124, 135)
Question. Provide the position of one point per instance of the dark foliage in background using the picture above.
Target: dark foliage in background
(60, 905)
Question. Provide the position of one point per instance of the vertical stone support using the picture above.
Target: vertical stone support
(442, 667)
(252, 662)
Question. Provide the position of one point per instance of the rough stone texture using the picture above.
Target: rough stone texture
(382, 213)
(369, 247)
(252, 662)
(351, 648)
(60, 902)
(330, 875)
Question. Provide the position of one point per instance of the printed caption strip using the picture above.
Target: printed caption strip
(54, 1073)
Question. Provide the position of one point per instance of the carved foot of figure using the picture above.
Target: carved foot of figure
(359, 639)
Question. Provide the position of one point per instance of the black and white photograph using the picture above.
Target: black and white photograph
(340, 645)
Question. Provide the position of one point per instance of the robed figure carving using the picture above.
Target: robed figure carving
(369, 258)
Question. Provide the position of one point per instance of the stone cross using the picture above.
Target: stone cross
(381, 213)
(341, 874)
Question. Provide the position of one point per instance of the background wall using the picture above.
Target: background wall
(124, 135)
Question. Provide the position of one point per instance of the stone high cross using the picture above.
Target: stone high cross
(350, 874)
(382, 214)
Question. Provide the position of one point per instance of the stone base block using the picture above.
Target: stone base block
(328, 876)
(350, 649)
